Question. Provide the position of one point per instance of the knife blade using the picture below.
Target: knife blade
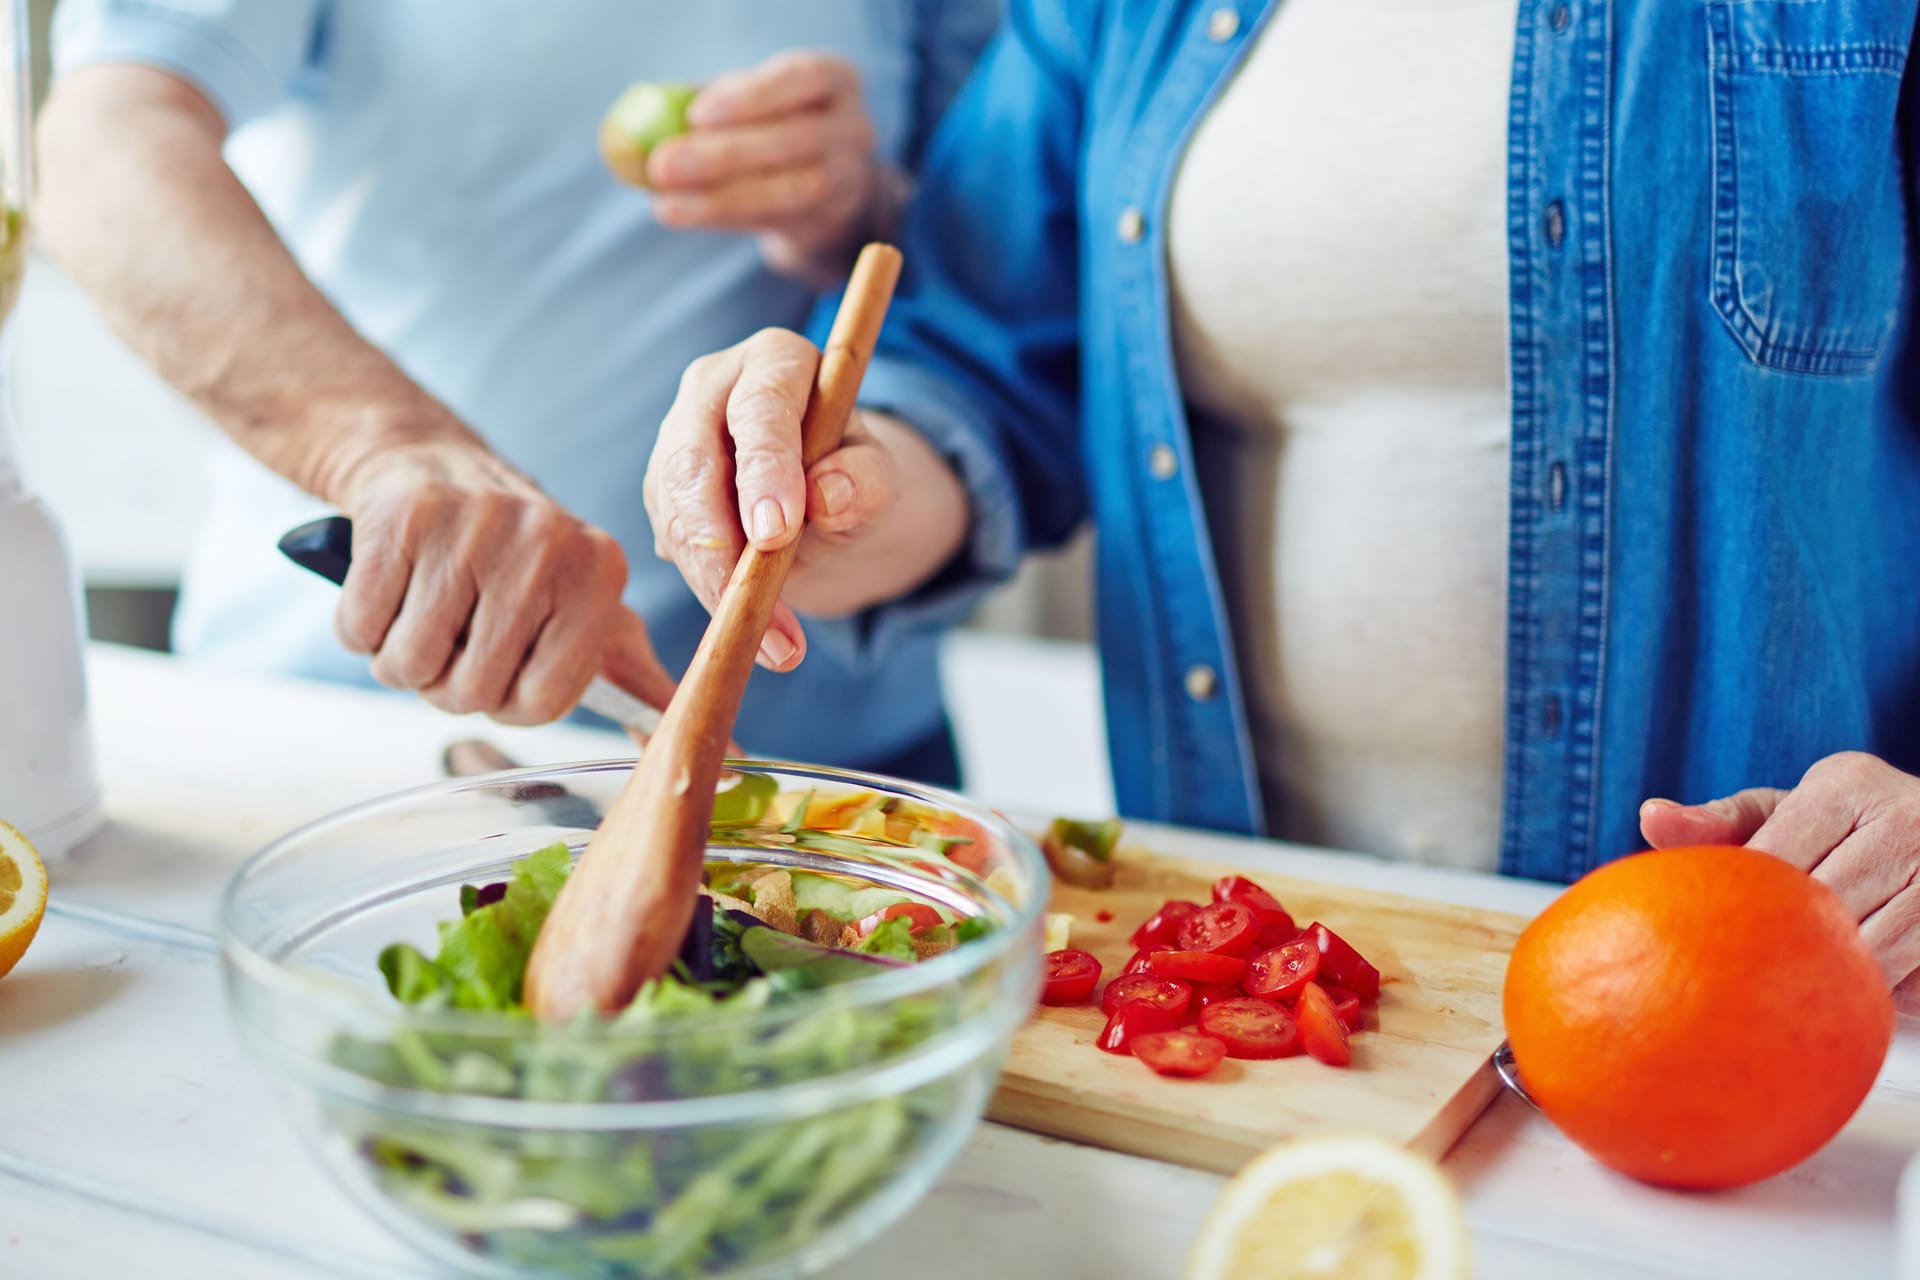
(325, 546)
(472, 757)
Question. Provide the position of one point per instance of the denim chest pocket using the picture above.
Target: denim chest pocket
(1809, 222)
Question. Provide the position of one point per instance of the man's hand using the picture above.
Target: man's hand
(1853, 822)
(882, 513)
(784, 149)
(472, 587)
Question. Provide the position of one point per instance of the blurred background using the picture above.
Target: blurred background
(120, 457)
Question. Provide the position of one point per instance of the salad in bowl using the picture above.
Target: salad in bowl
(826, 1037)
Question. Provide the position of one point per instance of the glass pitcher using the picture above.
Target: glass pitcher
(48, 786)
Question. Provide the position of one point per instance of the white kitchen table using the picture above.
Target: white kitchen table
(136, 1139)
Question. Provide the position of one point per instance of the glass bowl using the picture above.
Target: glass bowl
(752, 1143)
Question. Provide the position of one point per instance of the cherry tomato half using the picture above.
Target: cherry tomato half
(1163, 926)
(1321, 1029)
(919, 916)
(1141, 962)
(1179, 1053)
(1252, 1028)
(1134, 1018)
(1347, 1005)
(1197, 966)
(1224, 928)
(1071, 976)
(1279, 974)
(1167, 994)
(1342, 965)
(1206, 993)
(1265, 907)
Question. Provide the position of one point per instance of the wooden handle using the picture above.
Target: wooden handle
(621, 916)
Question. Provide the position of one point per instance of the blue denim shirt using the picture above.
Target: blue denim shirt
(1714, 562)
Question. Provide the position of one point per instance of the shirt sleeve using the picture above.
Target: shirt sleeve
(243, 54)
(981, 351)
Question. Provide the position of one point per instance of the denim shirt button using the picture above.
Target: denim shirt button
(1223, 25)
(1561, 17)
(1202, 682)
(1556, 223)
(1133, 225)
(1162, 462)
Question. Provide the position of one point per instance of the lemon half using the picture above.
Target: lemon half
(1356, 1208)
(23, 896)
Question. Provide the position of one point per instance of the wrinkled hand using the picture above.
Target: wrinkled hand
(878, 515)
(1853, 822)
(478, 591)
(784, 149)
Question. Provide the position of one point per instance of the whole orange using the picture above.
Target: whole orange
(1699, 1017)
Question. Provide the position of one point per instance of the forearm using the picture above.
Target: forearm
(138, 205)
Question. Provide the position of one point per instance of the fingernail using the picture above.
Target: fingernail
(836, 492)
(769, 521)
(777, 649)
(1652, 805)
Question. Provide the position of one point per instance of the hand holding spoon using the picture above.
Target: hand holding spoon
(620, 917)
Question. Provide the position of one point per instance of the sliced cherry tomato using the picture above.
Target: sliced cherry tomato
(1321, 1029)
(1342, 965)
(1347, 1005)
(1165, 993)
(1265, 907)
(1252, 1028)
(919, 916)
(1179, 1053)
(1279, 974)
(1224, 928)
(1206, 993)
(1197, 966)
(1163, 926)
(1071, 976)
(1277, 933)
(1142, 961)
(1134, 1018)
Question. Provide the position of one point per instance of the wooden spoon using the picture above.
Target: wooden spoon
(620, 917)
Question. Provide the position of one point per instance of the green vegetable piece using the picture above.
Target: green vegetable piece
(970, 928)
(938, 843)
(647, 114)
(485, 953)
(795, 964)
(892, 938)
(1096, 839)
(469, 899)
(746, 801)
(798, 822)
(411, 977)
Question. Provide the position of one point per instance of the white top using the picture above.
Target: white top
(1337, 243)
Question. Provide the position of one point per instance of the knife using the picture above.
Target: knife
(472, 757)
(325, 546)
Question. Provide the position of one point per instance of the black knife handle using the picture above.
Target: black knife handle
(324, 546)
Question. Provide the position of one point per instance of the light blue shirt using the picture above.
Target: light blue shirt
(432, 165)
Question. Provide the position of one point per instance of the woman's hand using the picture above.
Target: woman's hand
(475, 589)
(784, 149)
(881, 514)
(1853, 822)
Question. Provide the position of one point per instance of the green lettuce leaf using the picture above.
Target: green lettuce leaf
(483, 955)
(891, 938)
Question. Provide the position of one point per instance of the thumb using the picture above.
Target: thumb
(1730, 820)
(850, 487)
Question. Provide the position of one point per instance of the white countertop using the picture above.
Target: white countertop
(135, 1137)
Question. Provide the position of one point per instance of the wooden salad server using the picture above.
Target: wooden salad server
(621, 915)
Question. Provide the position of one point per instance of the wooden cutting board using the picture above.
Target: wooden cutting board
(1421, 1071)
